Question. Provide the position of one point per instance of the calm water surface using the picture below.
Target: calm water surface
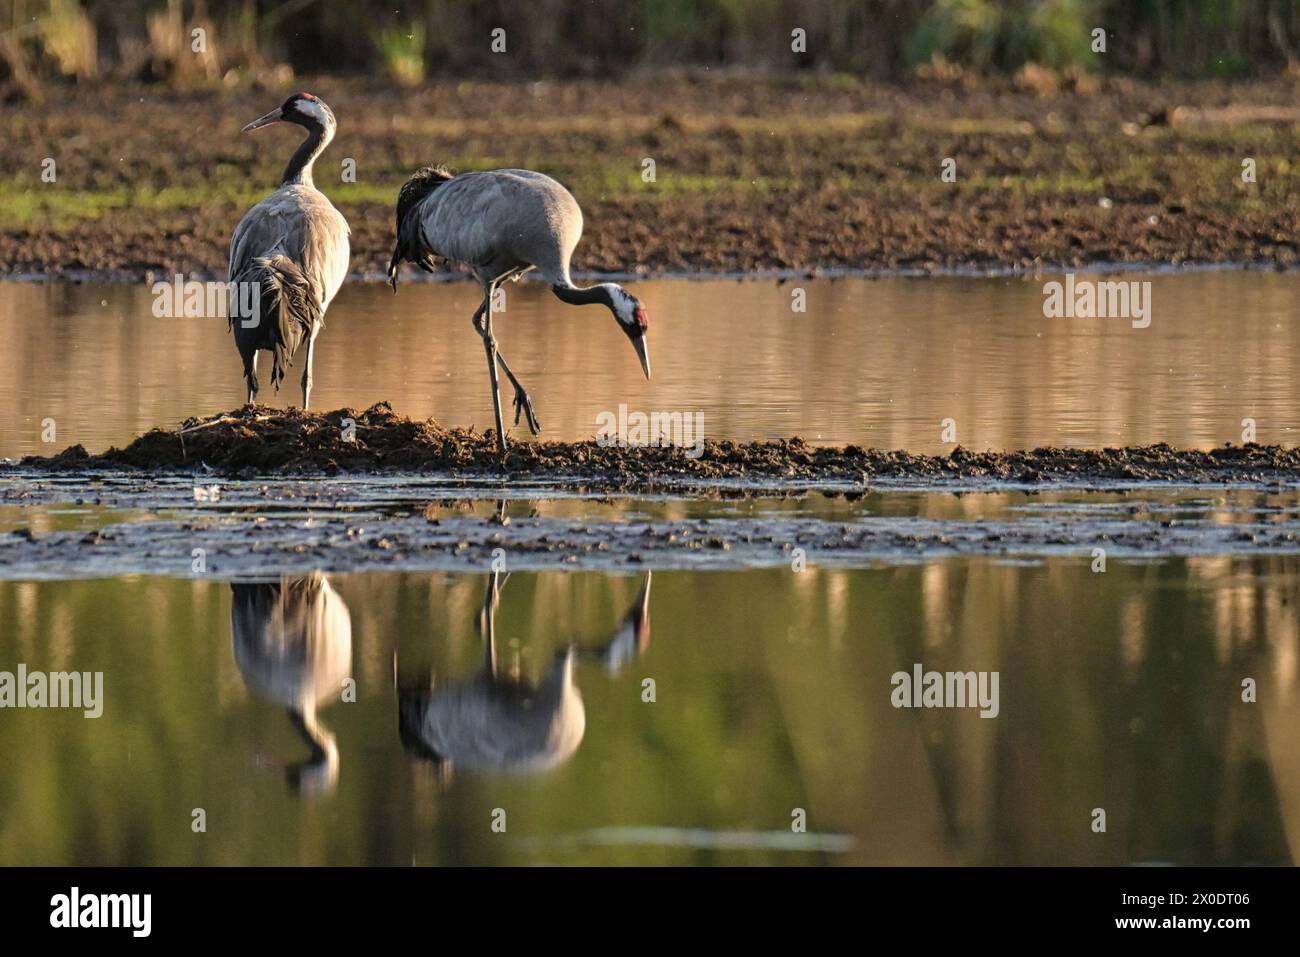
(875, 362)
(358, 717)
(772, 692)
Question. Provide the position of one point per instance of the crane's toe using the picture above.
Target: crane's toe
(524, 405)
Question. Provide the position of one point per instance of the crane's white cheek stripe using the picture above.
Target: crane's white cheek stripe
(312, 108)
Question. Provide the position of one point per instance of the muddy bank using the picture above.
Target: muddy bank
(787, 173)
(249, 442)
(273, 545)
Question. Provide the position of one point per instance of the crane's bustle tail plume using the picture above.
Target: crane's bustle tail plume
(410, 246)
(289, 311)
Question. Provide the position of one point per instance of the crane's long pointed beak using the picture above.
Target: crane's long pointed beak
(273, 117)
(642, 353)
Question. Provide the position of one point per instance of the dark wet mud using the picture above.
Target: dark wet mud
(76, 521)
(230, 544)
(251, 442)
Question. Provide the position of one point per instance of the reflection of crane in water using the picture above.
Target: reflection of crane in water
(497, 721)
(293, 646)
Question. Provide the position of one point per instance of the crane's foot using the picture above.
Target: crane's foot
(524, 405)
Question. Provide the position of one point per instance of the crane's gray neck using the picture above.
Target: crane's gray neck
(577, 296)
(298, 172)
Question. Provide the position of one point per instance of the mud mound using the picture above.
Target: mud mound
(252, 441)
(286, 440)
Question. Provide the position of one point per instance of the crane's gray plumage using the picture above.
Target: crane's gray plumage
(497, 721)
(294, 247)
(498, 223)
(502, 224)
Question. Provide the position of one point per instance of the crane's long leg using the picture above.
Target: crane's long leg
(522, 402)
(250, 377)
(306, 372)
(490, 347)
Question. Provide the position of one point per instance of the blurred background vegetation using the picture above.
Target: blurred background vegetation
(258, 41)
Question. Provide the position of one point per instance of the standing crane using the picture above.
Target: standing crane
(503, 224)
(293, 248)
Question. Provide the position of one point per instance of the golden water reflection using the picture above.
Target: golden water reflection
(875, 362)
